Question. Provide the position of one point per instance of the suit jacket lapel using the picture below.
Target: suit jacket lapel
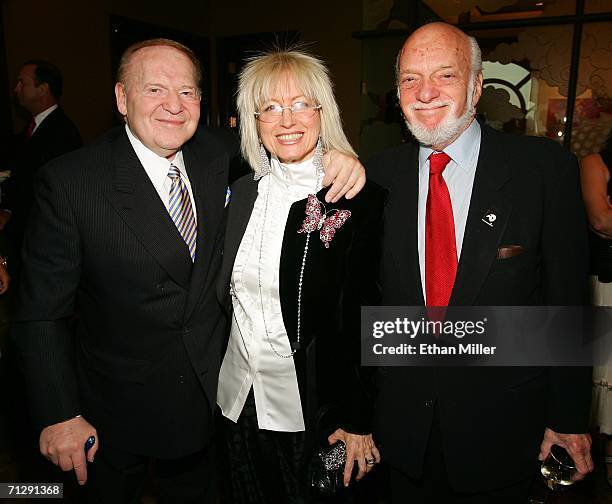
(208, 180)
(47, 124)
(244, 194)
(481, 239)
(139, 205)
(402, 217)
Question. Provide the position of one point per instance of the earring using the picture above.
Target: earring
(317, 158)
(264, 163)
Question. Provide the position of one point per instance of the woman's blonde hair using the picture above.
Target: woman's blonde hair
(261, 77)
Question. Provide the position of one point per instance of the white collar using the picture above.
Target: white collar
(38, 118)
(461, 150)
(157, 167)
(296, 176)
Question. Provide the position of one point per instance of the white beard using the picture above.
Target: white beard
(449, 128)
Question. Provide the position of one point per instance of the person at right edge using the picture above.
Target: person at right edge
(474, 435)
(597, 191)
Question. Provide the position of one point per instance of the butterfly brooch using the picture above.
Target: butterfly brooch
(322, 220)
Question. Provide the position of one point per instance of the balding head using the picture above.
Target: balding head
(438, 32)
(439, 83)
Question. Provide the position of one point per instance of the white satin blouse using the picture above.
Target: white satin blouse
(250, 360)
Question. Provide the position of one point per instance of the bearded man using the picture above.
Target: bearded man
(474, 435)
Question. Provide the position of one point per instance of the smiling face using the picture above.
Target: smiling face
(292, 138)
(160, 99)
(437, 90)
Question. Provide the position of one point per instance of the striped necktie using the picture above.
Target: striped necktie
(179, 207)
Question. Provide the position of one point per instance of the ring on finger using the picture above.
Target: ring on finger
(370, 461)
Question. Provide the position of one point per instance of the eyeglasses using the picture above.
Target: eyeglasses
(273, 113)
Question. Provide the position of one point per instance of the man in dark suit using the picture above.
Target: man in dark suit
(129, 232)
(48, 134)
(474, 434)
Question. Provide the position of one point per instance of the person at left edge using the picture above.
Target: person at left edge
(48, 134)
(128, 231)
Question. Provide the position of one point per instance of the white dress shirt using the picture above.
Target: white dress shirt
(39, 118)
(459, 177)
(250, 360)
(157, 168)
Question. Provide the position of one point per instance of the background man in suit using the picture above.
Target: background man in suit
(473, 435)
(48, 134)
(129, 232)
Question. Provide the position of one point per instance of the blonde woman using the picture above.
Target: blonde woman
(295, 272)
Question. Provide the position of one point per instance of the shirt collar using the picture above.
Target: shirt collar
(157, 167)
(38, 118)
(295, 175)
(461, 151)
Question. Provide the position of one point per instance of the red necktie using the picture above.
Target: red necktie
(30, 128)
(440, 247)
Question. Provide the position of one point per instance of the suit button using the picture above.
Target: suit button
(186, 329)
(160, 287)
(429, 403)
(181, 379)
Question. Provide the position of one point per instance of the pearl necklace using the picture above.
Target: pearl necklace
(294, 346)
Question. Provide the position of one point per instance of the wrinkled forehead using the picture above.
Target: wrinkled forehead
(435, 47)
(159, 61)
(283, 86)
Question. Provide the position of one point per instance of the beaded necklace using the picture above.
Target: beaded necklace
(295, 346)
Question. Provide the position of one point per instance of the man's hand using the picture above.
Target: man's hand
(5, 216)
(64, 445)
(360, 448)
(577, 445)
(346, 173)
(5, 279)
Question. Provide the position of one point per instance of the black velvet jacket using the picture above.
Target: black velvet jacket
(337, 281)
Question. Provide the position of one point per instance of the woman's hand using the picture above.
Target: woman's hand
(359, 448)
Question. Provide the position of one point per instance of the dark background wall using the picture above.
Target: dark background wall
(76, 35)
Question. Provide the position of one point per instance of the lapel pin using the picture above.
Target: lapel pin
(489, 218)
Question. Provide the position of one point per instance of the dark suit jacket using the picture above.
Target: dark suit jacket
(492, 419)
(143, 368)
(337, 281)
(55, 136)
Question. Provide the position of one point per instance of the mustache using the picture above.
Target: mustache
(430, 105)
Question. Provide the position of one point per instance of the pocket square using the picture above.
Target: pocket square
(508, 251)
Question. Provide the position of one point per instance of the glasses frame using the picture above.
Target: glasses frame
(315, 108)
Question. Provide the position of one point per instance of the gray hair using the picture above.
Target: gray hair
(260, 78)
(475, 57)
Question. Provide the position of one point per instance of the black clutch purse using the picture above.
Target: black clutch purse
(327, 469)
